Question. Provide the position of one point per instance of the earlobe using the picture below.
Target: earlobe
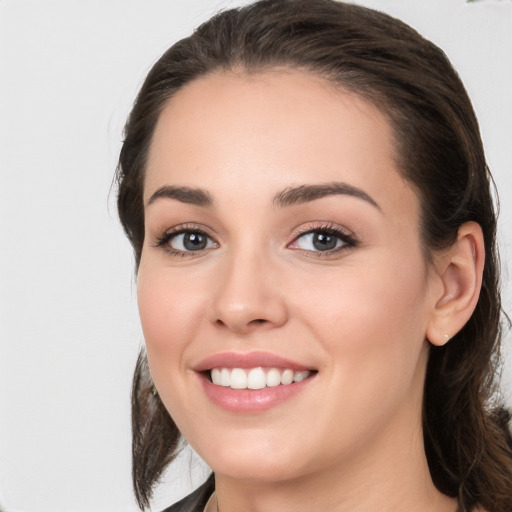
(460, 269)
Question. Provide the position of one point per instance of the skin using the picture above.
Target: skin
(351, 440)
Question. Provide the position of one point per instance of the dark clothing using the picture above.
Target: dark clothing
(196, 501)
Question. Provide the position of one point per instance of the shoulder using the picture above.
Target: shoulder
(196, 501)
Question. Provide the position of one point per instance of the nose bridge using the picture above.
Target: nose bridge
(246, 293)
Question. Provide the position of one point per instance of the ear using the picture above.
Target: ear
(460, 270)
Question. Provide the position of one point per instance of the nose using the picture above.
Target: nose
(248, 295)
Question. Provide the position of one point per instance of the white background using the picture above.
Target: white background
(69, 331)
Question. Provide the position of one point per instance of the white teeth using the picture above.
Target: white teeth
(238, 379)
(273, 377)
(256, 378)
(225, 377)
(215, 374)
(287, 377)
(299, 376)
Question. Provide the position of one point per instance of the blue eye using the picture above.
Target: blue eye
(323, 240)
(318, 241)
(186, 241)
(190, 241)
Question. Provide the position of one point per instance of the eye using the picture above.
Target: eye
(185, 241)
(190, 241)
(323, 240)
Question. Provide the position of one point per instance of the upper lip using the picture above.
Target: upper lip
(248, 360)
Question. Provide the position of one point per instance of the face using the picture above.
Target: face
(283, 292)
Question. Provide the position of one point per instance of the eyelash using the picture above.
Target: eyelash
(348, 240)
(162, 241)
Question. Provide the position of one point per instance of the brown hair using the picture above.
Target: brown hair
(468, 445)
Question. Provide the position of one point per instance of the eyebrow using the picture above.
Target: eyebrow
(188, 195)
(288, 197)
(306, 193)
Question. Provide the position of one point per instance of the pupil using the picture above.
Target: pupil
(324, 242)
(194, 241)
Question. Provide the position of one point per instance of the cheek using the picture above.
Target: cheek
(371, 325)
(170, 312)
(371, 318)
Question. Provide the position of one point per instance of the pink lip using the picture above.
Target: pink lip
(249, 400)
(248, 360)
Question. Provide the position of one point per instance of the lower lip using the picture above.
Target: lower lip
(251, 400)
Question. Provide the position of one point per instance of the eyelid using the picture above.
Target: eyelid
(161, 241)
(314, 226)
(346, 236)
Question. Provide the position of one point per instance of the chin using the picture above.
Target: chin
(253, 460)
(255, 470)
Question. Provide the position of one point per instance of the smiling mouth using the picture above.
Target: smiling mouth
(256, 378)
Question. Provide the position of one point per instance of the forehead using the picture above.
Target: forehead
(281, 127)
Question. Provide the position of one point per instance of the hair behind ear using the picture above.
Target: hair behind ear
(155, 437)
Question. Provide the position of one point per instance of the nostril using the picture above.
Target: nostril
(256, 321)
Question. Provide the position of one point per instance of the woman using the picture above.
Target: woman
(305, 189)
